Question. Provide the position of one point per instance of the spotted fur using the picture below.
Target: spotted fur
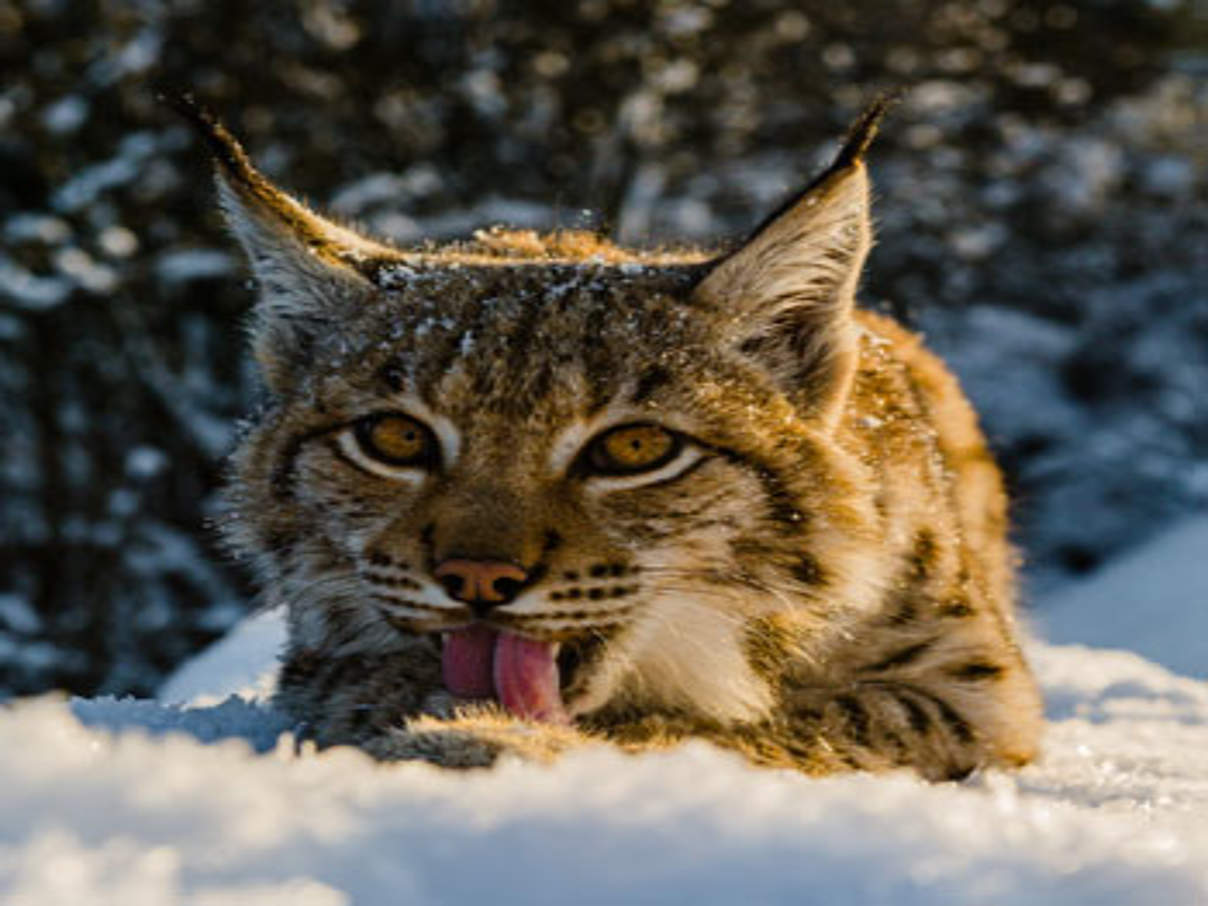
(820, 580)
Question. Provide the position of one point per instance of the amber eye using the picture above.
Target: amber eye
(397, 440)
(632, 448)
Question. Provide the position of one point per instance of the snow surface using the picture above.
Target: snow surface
(141, 802)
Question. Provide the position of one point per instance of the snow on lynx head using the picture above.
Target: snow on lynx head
(590, 484)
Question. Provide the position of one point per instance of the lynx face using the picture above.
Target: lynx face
(644, 494)
(562, 473)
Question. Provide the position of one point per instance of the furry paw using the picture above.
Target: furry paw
(473, 740)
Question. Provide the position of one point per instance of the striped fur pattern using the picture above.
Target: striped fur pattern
(818, 579)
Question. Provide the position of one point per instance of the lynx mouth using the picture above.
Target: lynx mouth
(527, 676)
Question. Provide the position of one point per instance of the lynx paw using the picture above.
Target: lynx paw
(473, 740)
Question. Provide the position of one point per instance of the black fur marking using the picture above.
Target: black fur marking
(599, 366)
(577, 615)
(924, 556)
(977, 671)
(857, 719)
(299, 668)
(900, 750)
(281, 542)
(282, 479)
(906, 611)
(781, 505)
(651, 380)
(957, 608)
(394, 375)
(808, 570)
(535, 575)
(520, 343)
(958, 773)
(957, 725)
(901, 658)
(859, 138)
(849, 760)
(337, 674)
(920, 720)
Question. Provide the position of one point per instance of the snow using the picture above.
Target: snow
(1153, 601)
(241, 663)
(146, 802)
(109, 799)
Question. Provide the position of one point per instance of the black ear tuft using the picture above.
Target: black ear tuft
(860, 136)
(226, 149)
(862, 132)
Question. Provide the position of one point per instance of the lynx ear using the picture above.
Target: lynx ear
(786, 294)
(310, 272)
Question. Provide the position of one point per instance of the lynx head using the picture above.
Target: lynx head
(592, 479)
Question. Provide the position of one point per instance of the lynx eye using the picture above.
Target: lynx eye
(630, 449)
(397, 440)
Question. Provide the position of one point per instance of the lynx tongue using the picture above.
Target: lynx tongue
(526, 679)
(479, 662)
(466, 662)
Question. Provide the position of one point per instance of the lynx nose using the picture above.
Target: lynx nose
(480, 583)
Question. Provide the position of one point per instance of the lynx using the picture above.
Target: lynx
(531, 491)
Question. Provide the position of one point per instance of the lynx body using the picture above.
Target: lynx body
(529, 491)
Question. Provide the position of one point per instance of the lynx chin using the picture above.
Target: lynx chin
(530, 491)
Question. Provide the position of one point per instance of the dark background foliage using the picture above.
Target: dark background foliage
(1041, 213)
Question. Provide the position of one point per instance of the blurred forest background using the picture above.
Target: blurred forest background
(1041, 206)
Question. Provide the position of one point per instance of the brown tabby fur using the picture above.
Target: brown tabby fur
(823, 583)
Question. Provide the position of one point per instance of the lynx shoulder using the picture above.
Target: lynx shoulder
(527, 491)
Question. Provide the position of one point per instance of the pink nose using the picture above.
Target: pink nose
(481, 582)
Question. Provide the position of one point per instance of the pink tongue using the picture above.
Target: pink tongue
(480, 663)
(526, 679)
(466, 662)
